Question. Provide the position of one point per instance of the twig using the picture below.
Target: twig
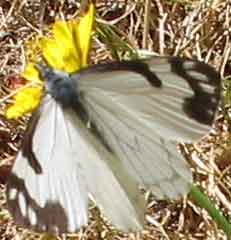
(158, 225)
(222, 198)
(115, 21)
(162, 33)
(9, 13)
(42, 13)
(146, 23)
(30, 25)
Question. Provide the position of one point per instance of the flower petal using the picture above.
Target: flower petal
(82, 34)
(62, 31)
(31, 74)
(26, 101)
(53, 53)
(61, 52)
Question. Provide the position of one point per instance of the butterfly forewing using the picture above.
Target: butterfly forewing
(183, 106)
(141, 123)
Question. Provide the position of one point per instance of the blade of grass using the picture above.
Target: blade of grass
(204, 202)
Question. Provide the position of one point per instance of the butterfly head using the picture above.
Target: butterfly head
(59, 85)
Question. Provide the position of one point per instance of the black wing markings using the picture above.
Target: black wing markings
(136, 66)
(27, 143)
(50, 209)
(203, 105)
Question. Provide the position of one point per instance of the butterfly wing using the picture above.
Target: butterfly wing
(113, 189)
(46, 190)
(141, 123)
(185, 102)
(148, 157)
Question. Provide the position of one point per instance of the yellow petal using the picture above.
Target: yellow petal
(68, 50)
(53, 52)
(31, 74)
(72, 64)
(63, 34)
(83, 34)
(26, 101)
(59, 55)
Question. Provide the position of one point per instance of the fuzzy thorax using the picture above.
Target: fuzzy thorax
(59, 85)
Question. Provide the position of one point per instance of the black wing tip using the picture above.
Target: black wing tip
(50, 218)
(203, 105)
(179, 66)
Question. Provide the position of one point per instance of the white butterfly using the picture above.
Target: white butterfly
(106, 130)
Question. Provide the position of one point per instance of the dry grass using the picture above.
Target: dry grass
(195, 29)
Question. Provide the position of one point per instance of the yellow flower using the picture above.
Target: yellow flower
(66, 51)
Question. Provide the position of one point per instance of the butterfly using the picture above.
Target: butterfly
(107, 130)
